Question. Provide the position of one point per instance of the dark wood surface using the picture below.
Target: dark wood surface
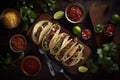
(86, 52)
(15, 73)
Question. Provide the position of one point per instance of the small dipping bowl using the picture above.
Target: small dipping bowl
(18, 43)
(31, 65)
(10, 18)
(75, 12)
(109, 30)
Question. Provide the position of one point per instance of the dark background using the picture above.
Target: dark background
(15, 73)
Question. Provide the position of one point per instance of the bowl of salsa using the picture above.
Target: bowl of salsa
(109, 30)
(18, 43)
(75, 12)
(31, 65)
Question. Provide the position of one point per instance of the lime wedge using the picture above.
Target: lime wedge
(58, 14)
(82, 69)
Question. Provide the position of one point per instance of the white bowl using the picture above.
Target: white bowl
(72, 9)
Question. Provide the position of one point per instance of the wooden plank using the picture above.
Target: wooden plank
(86, 52)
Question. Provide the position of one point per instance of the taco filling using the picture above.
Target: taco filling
(49, 36)
(74, 58)
(58, 44)
(64, 50)
(41, 27)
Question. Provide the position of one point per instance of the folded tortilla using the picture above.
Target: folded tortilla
(60, 43)
(54, 38)
(76, 57)
(51, 35)
(66, 49)
(39, 30)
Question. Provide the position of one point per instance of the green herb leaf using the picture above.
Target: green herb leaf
(22, 54)
(28, 16)
(99, 52)
(48, 5)
(107, 57)
(115, 67)
(94, 68)
(8, 59)
(93, 65)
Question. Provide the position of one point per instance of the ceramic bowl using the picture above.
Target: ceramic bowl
(75, 12)
(10, 18)
(31, 65)
(18, 43)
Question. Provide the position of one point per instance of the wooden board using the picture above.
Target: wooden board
(86, 52)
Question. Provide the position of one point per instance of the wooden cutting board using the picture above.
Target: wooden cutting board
(86, 52)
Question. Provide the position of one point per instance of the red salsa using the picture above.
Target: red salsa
(18, 43)
(74, 13)
(31, 65)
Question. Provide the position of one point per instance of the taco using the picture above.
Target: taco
(51, 35)
(76, 57)
(60, 43)
(66, 49)
(39, 30)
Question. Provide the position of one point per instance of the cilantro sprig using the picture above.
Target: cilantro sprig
(8, 59)
(27, 13)
(48, 5)
(107, 58)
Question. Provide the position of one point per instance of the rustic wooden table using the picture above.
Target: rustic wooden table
(16, 73)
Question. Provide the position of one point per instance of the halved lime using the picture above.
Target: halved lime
(76, 30)
(58, 14)
(82, 69)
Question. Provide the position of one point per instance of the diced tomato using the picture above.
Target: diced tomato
(109, 30)
(86, 34)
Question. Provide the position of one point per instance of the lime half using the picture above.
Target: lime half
(76, 30)
(58, 14)
(82, 69)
